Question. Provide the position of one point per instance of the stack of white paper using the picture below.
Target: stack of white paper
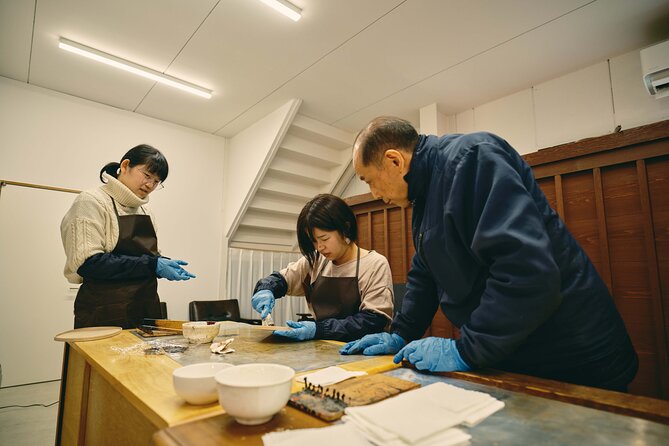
(425, 416)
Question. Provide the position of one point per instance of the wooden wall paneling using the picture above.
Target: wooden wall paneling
(364, 240)
(547, 186)
(605, 270)
(653, 276)
(559, 198)
(658, 186)
(580, 213)
(378, 232)
(396, 244)
(629, 265)
(370, 231)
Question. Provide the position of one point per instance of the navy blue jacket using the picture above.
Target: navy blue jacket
(503, 267)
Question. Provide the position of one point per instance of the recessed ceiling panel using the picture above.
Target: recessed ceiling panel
(148, 32)
(16, 27)
(245, 51)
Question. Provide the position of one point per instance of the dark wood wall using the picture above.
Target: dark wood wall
(613, 194)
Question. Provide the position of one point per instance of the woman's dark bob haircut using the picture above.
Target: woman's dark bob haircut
(142, 154)
(327, 213)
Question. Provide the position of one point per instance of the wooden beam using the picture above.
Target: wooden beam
(636, 135)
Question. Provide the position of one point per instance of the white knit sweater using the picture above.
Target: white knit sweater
(90, 226)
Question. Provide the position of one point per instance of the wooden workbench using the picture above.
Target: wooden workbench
(113, 396)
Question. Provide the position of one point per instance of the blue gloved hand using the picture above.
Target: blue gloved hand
(301, 331)
(433, 354)
(171, 269)
(263, 302)
(374, 344)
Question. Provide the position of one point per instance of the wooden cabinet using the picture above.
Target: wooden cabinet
(613, 194)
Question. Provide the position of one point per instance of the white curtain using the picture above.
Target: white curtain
(246, 267)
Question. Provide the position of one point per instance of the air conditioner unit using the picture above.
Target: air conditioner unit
(655, 69)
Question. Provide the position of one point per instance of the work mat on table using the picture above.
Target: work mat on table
(328, 403)
(253, 345)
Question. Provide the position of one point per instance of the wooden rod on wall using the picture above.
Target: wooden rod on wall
(37, 186)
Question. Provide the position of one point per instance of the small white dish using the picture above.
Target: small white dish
(254, 393)
(195, 383)
(200, 332)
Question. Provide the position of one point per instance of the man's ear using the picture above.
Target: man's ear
(394, 157)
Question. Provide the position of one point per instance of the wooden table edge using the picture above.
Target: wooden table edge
(616, 402)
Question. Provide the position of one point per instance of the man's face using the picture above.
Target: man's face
(386, 182)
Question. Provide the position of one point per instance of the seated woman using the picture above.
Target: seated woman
(349, 290)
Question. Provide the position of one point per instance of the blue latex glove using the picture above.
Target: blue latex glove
(375, 344)
(171, 269)
(263, 302)
(301, 331)
(433, 354)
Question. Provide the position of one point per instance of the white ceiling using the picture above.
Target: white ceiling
(348, 60)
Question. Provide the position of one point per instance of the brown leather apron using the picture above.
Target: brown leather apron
(333, 297)
(122, 303)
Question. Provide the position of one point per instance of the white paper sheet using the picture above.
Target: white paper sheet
(328, 376)
(336, 435)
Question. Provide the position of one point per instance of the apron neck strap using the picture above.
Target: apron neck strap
(357, 263)
(114, 203)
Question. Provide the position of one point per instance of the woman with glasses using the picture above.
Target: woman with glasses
(349, 290)
(111, 245)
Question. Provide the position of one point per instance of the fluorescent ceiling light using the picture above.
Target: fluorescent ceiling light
(285, 7)
(131, 67)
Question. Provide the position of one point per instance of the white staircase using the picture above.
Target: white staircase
(312, 158)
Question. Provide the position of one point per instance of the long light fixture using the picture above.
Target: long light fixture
(132, 67)
(285, 7)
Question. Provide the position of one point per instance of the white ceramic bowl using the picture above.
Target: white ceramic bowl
(253, 393)
(196, 384)
(200, 332)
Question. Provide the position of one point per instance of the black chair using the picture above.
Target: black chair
(217, 310)
(398, 291)
(156, 310)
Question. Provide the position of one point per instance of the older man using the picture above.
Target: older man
(495, 257)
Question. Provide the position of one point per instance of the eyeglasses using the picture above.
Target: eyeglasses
(150, 179)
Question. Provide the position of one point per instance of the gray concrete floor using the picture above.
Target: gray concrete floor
(34, 426)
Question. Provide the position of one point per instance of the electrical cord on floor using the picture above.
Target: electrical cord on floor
(30, 405)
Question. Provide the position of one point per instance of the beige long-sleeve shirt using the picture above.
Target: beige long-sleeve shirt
(374, 279)
(91, 227)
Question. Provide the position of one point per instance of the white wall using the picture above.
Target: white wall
(58, 140)
(586, 103)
